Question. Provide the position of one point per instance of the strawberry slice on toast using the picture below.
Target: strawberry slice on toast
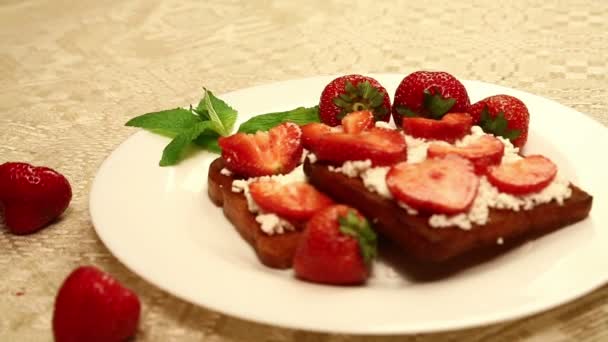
(483, 152)
(528, 175)
(277, 151)
(381, 146)
(450, 128)
(444, 185)
(356, 122)
(293, 201)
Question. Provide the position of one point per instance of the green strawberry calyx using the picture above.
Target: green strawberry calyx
(434, 105)
(359, 228)
(361, 97)
(497, 125)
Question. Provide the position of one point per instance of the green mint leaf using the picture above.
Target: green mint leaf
(170, 122)
(218, 112)
(436, 104)
(175, 150)
(208, 141)
(264, 122)
(360, 229)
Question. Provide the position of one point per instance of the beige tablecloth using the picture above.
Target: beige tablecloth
(72, 72)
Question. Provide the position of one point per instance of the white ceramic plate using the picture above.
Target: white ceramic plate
(160, 223)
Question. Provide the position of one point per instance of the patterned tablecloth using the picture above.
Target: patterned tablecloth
(72, 72)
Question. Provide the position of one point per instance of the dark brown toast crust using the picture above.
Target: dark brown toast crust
(274, 251)
(438, 245)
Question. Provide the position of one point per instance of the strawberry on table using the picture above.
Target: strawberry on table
(93, 306)
(503, 115)
(32, 196)
(485, 151)
(443, 185)
(263, 153)
(357, 122)
(528, 175)
(294, 201)
(337, 247)
(429, 94)
(352, 93)
(450, 127)
(380, 145)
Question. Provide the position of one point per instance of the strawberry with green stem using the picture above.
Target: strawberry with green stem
(337, 247)
(503, 115)
(430, 94)
(352, 93)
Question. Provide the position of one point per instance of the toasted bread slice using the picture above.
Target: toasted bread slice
(415, 237)
(274, 251)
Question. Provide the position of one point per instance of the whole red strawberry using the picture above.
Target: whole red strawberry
(429, 94)
(92, 306)
(337, 247)
(352, 93)
(32, 196)
(503, 115)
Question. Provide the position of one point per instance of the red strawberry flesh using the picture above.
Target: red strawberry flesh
(356, 122)
(381, 146)
(277, 151)
(32, 196)
(92, 306)
(528, 175)
(313, 131)
(445, 185)
(485, 151)
(450, 128)
(294, 201)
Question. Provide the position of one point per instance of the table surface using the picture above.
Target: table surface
(72, 73)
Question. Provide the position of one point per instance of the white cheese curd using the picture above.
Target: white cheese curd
(500, 241)
(416, 149)
(374, 180)
(408, 209)
(270, 223)
(312, 158)
(384, 124)
(352, 168)
(224, 171)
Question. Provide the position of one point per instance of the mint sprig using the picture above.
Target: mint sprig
(204, 125)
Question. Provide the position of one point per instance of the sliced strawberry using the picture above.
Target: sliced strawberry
(296, 201)
(313, 131)
(356, 122)
(380, 145)
(444, 185)
(450, 128)
(483, 152)
(525, 176)
(264, 153)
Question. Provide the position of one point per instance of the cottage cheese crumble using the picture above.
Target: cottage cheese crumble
(488, 196)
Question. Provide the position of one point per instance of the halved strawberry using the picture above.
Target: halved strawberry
(525, 176)
(483, 152)
(264, 153)
(296, 201)
(312, 132)
(357, 122)
(450, 128)
(443, 185)
(380, 145)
